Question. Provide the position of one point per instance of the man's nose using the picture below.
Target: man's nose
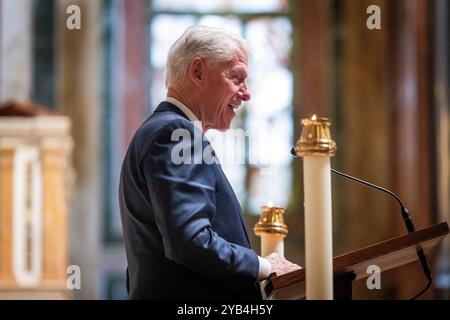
(244, 93)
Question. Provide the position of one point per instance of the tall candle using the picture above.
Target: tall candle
(318, 228)
(316, 148)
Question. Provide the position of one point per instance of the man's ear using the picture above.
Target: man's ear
(196, 71)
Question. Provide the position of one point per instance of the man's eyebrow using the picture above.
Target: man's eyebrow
(240, 71)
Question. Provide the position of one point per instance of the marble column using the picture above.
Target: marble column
(79, 97)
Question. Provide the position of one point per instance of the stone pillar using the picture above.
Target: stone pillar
(409, 98)
(80, 65)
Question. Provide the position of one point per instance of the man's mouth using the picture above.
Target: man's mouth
(233, 107)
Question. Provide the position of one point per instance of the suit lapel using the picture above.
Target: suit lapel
(236, 203)
(167, 106)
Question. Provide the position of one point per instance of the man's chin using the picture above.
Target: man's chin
(225, 128)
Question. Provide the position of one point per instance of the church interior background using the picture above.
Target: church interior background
(71, 99)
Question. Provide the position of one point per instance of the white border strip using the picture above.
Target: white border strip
(27, 155)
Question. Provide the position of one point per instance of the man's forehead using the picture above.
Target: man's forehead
(241, 57)
(239, 61)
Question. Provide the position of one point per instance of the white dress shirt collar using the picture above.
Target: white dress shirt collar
(191, 116)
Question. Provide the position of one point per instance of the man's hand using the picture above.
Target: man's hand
(280, 265)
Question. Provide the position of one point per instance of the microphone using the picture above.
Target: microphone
(406, 218)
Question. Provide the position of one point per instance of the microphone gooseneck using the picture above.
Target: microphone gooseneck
(406, 218)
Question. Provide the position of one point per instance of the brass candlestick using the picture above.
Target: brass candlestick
(315, 138)
(272, 230)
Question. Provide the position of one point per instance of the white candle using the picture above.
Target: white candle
(318, 227)
(272, 242)
(316, 147)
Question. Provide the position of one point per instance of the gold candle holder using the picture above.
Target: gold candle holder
(271, 221)
(272, 230)
(315, 138)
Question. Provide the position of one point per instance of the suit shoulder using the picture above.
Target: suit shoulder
(160, 121)
(160, 125)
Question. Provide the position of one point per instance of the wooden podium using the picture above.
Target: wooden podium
(352, 266)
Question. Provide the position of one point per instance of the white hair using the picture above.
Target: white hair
(214, 45)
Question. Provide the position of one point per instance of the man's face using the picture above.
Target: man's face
(224, 91)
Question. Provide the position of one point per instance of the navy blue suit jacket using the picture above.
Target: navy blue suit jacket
(184, 234)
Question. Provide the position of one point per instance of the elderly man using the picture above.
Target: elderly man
(185, 236)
